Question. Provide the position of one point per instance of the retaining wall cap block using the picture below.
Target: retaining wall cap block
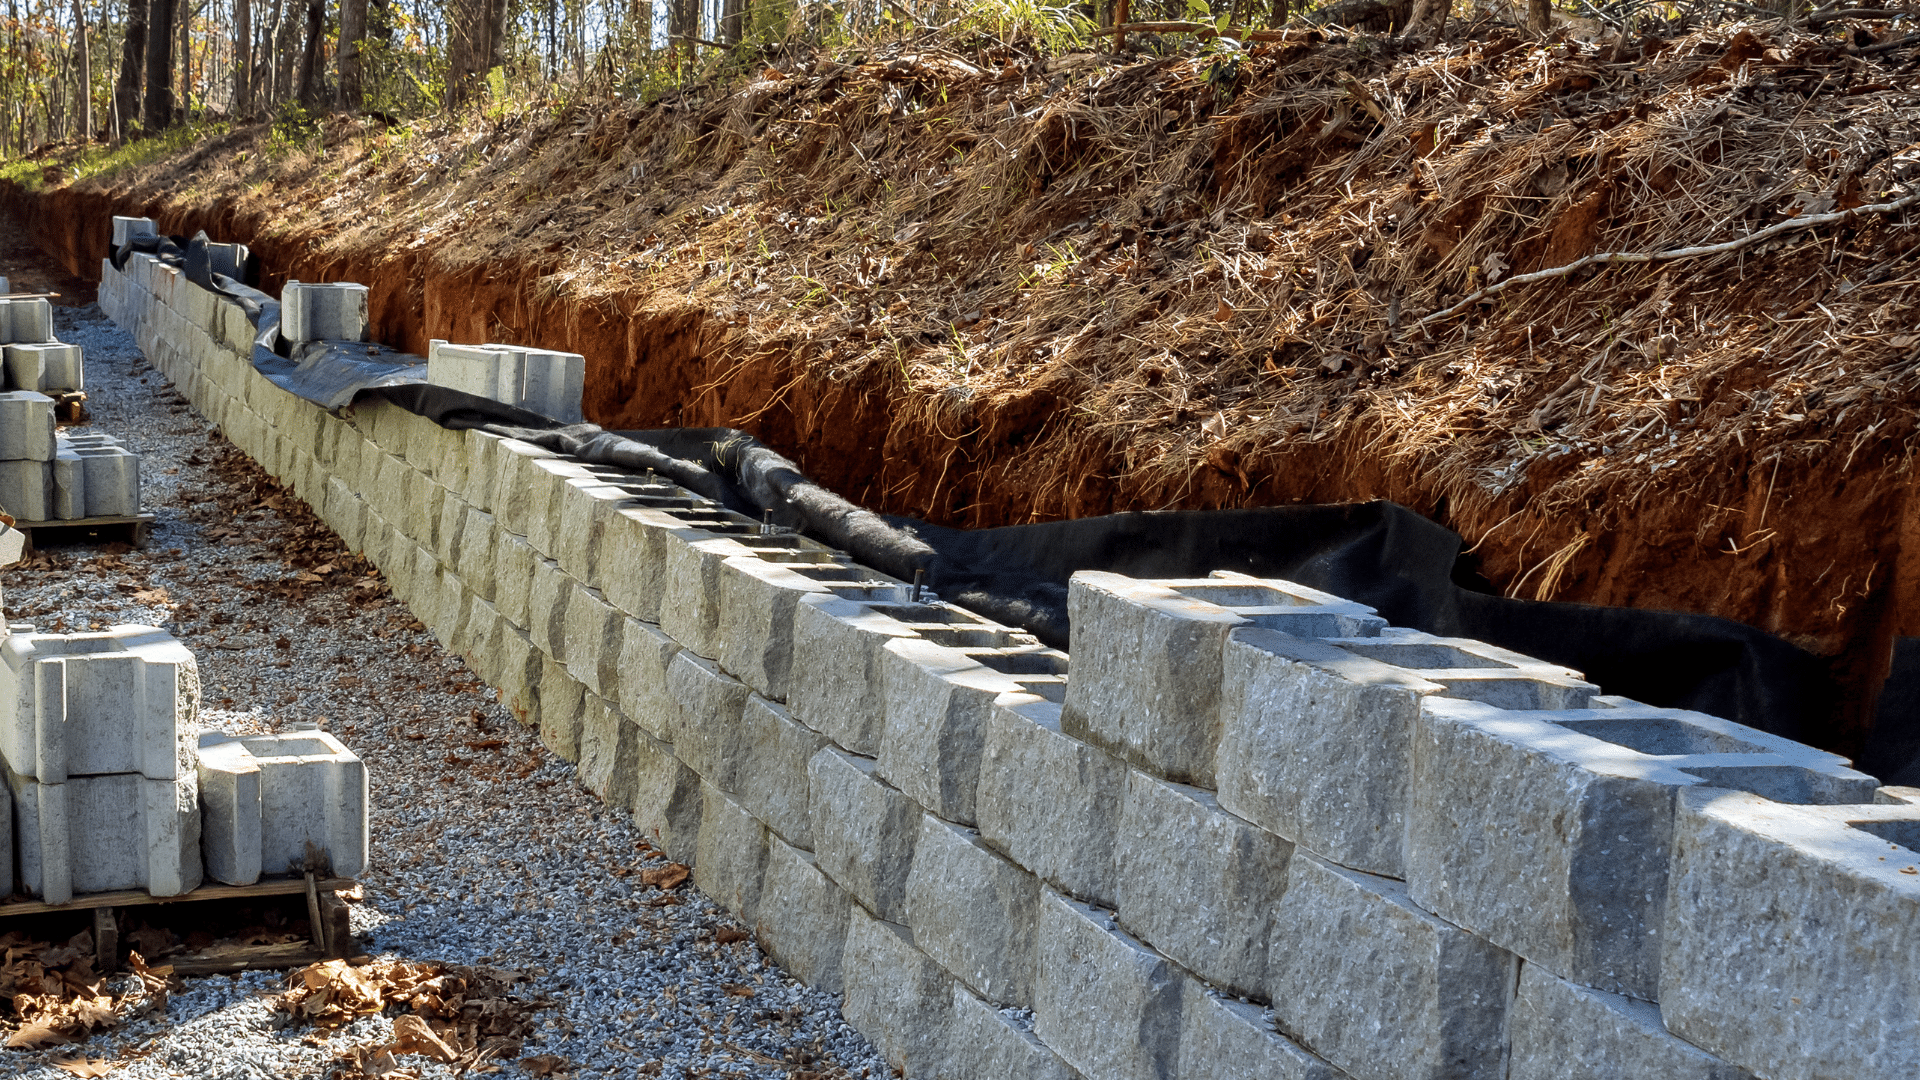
(863, 830)
(26, 322)
(1789, 932)
(666, 798)
(330, 311)
(123, 700)
(1108, 1005)
(1198, 883)
(937, 700)
(308, 795)
(44, 367)
(1050, 801)
(1531, 831)
(985, 1041)
(1224, 1039)
(802, 918)
(895, 995)
(26, 426)
(1436, 996)
(542, 380)
(730, 859)
(1477, 671)
(836, 686)
(706, 731)
(126, 228)
(106, 833)
(974, 912)
(775, 749)
(1316, 744)
(1561, 1031)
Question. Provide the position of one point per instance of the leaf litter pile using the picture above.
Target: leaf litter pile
(55, 997)
(461, 1016)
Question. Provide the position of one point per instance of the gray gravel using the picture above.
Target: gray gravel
(481, 854)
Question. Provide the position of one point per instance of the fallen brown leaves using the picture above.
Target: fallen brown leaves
(58, 998)
(664, 877)
(458, 1015)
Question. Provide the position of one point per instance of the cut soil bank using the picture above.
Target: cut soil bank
(982, 287)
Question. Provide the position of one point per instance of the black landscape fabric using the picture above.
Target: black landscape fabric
(1381, 554)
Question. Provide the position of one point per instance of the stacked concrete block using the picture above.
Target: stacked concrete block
(276, 803)
(1563, 1031)
(1049, 801)
(864, 831)
(128, 229)
(539, 380)
(1106, 1003)
(47, 367)
(94, 476)
(974, 912)
(95, 732)
(25, 321)
(802, 917)
(330, 311)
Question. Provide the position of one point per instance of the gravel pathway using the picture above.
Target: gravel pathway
(486, 849)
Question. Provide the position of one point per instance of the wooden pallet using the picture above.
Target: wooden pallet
(70, 406)
(326, 915)
(130, 527)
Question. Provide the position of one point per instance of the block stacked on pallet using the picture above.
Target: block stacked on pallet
(282, 804)
(30, 358)
(96, 735)
(1245, 830)
(26, 454)
(539, 380)
(94, 476)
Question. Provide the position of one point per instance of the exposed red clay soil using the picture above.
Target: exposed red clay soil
(1163, 290)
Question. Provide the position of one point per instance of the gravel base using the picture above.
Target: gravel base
(486, 849)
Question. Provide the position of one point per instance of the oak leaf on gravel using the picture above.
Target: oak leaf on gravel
(664, 877)
(82, 1066)
(546, 1065)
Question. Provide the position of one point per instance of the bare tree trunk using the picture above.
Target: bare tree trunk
(1539, 16)
(1427, 19)
(159, 103)
(733, 21)
(286, 45)
(310, 74)
(83, 52)
(133, 57)
(183, 13)
(353, 30)
(242, 58)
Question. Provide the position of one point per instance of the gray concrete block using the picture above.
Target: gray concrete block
(1476, 671)
(864, 831)
(483, 468)
(69, 479)
(514, 561)
(474, 557)
(540, 380)
(519, 497)
(547, 480)
(562, 711)
(1561, 1031)
(666, 798)
(1225, 1039)
(836, 688)
(691, 605)
(106, 833)
(632, 560)
(549, 592)
(330, 311)
(122, 700)
(973, 912)
(1788, 935)
(1435, 997)
(1050, 801)
(643, 693)
(896, 995)
(775, 749)
(986, 1041)
(291, 794)
(593, 630)
(481, 639)
(24, 321)
(1108, 1005)
(1198, 883)
(26, 426)
(706, 732)
(937, 700)
(44, 366)
(802, 917)
(1568, 867)
(585, 507)
(112, 480)
(126, 228)
(730, 860)
(757, 604)
(607, 748)
(26, 489)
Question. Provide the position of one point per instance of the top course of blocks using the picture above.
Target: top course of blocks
(539, 380)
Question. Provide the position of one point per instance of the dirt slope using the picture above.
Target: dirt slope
(986, 287)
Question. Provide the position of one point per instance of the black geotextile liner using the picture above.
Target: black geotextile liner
(1381, 554)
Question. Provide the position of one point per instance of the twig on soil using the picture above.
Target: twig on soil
(1606, 257)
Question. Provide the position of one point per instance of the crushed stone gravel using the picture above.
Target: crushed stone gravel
(486, 849)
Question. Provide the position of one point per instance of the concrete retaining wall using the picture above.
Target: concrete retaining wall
(1256, 833)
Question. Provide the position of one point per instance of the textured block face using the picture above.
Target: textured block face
(230, 813)
(586, 504)
(645, 656)
(120, 701)
(802, 918)
(1435, 996)
(706, 732)
(1316, 746)
(24, 321)
(1051, 801)
(333, 311)
(1108, 1005)
(562, 711)
(46, 367)
(26, 489)
(1561, 1031)
(863, 831)
(776, 749)
(26, 426)
(513, 563)
(895, 995)
(937, 701)
(757, 604)
(633, 559)
(547, 598)
(69, 492)
(837, 688)
(1770, 909)
(974, 912)
(593, 631)
(105, 833)
(690, 604)
(666, 798)
(730, 860)
(984, 1041)
(1199, 883)
(1147, 664)
(607, 752)
(1223, 1039)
